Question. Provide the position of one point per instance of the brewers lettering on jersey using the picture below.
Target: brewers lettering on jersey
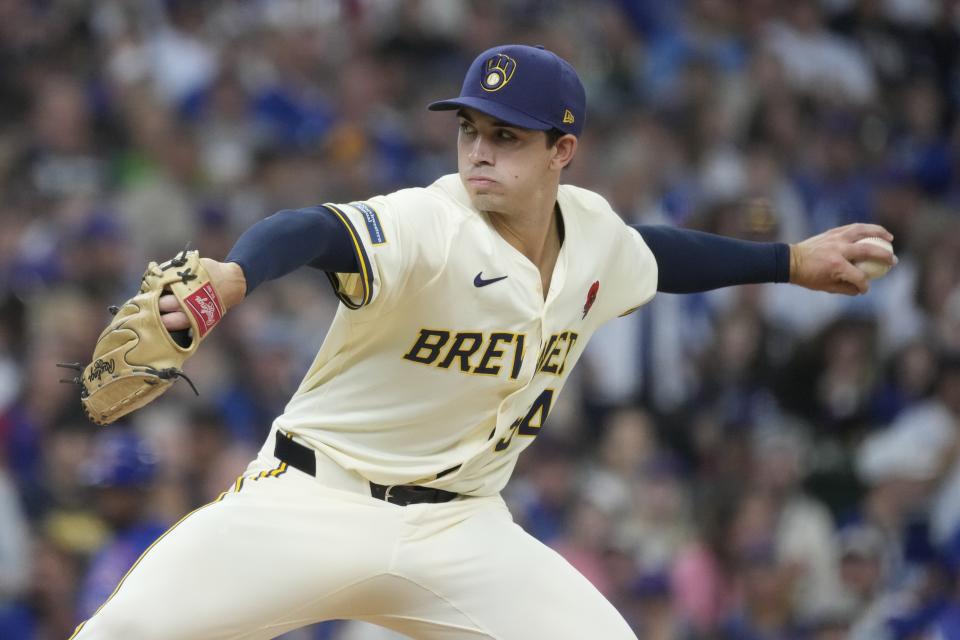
(464, 307)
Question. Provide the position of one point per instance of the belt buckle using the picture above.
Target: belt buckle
(389, 498)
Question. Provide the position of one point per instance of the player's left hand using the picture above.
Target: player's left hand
(825, 262)
(135, 360)
(227, 279)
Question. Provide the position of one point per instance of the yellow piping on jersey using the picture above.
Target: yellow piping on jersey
(365, 266)
(279, 470)
(273, 473)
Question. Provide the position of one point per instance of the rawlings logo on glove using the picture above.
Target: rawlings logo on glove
(136, 359)
(205, 309)
(100, 367)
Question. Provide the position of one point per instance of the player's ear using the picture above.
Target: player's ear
(563, 151)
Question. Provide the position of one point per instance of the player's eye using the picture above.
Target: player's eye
(506, 134)
(466, 128)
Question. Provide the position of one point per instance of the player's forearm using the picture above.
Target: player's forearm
(689, 261)
(290, 239)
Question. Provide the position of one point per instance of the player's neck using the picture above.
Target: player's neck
(538, 238)
(535, 234)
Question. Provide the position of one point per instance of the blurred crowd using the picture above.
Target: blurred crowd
(755, 463)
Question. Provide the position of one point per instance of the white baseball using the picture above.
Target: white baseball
(874, 268)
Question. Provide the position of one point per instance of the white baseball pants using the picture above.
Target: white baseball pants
(282, 549)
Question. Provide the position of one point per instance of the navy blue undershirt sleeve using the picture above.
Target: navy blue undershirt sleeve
(292, 238)
(689, 261)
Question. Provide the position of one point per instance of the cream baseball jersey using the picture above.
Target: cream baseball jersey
(445, 357)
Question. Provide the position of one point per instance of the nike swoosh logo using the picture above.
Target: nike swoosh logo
(480, 282)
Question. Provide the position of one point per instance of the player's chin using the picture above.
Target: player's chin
(486, 201)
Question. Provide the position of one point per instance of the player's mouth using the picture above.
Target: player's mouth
(479, 181)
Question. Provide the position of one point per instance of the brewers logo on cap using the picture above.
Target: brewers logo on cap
(497, 72)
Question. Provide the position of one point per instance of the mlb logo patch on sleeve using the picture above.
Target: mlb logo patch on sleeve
(373, 222)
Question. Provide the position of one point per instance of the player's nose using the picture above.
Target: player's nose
(480, 151)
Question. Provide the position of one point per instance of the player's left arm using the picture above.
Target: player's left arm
(689, 261)
(268, 250)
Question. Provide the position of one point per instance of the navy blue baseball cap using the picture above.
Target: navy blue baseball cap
(525, 86)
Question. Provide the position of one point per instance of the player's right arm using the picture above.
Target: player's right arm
(270, 249)
(691, 261)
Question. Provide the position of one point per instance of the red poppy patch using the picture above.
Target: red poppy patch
(591, 297)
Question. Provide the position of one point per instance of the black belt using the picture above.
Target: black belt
(304, 458)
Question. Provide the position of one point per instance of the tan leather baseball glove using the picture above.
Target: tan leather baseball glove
(136, 359)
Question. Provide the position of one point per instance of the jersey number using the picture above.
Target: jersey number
(529, 425)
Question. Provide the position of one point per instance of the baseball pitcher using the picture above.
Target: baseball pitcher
(464, 307)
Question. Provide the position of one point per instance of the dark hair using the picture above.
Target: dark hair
(553, 135)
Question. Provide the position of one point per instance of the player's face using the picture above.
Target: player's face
(506, 169)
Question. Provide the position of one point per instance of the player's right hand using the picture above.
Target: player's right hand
(825, 262)
(227, 279)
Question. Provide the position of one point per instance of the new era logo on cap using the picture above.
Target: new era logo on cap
(529, 87)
